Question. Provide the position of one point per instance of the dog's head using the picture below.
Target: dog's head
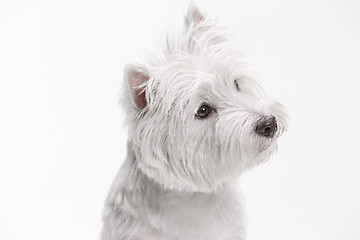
(196, 115)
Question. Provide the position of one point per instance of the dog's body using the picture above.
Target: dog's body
(197, 119)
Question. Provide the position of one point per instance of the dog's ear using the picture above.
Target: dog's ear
(193, 16)
(136, 79)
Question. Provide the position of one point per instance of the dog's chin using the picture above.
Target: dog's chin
(266, 150)
(267, 146)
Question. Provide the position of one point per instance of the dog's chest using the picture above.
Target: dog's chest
(199, 216)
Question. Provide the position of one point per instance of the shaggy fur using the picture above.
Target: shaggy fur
(179, 178)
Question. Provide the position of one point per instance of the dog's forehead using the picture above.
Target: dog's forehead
(205, 70)
(215, 67)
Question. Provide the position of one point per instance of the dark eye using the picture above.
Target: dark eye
(203, 111)
(237, 85)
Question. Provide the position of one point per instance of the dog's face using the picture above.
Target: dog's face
(196, 115)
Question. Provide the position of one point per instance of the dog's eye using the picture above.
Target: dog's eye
(237, 85)
(203, 111)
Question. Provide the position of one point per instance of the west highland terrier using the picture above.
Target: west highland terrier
(196, 119)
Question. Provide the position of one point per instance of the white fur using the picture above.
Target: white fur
(179, 178)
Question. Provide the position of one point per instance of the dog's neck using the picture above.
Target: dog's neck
(134, 193)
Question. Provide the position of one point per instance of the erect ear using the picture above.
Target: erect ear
(136, 78)
(193, 16)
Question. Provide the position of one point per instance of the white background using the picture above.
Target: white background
(61, 135)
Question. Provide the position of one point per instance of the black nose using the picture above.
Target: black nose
(266, 126)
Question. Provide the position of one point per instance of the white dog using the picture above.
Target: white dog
(196, 120)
